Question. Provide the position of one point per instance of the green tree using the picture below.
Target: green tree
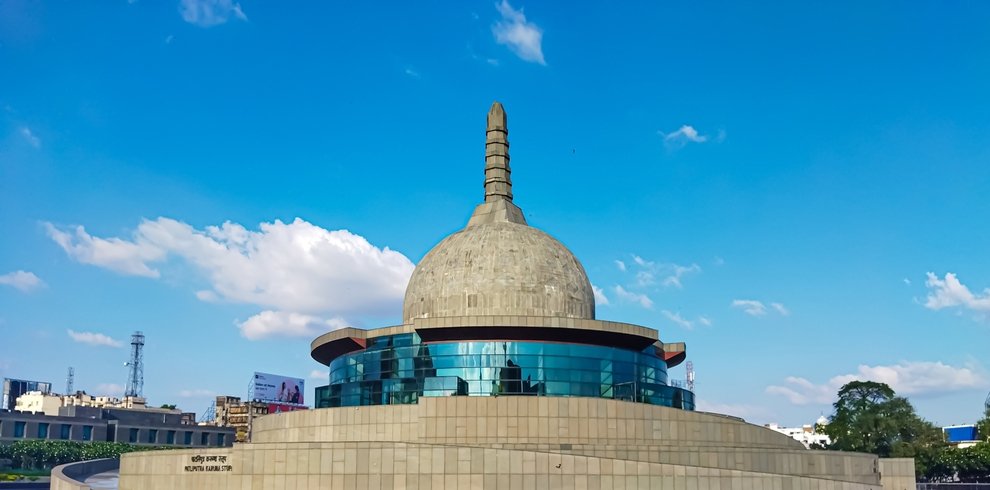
(168, 406)
(870, 418)
(983, 426)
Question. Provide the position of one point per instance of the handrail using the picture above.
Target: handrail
(70, 476)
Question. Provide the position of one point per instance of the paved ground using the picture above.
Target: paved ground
(104, 481)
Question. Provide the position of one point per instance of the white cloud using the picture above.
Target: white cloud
(753, 307)
(30, 137)
(411, 73)
(319, 374)
(780, 309)
(207, 13)
(621, 265)
(906, 281)
(523, 38)
(126, 257)
(670, 274)
(632, 297)
(704, 320)
(286, 324)
(906, 378)
(25, 281)
(686, 134)
(197, 393)
(950, 293)
(678, 319)
(289, 267)
(600, 298)
(94, 338)
(109, 389)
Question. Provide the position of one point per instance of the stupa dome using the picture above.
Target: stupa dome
(498, 264)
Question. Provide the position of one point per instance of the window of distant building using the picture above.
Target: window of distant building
(133, 437)
(220, 439)
(204, 438)
(170, 437)
(87, 433)
(19, 429)
(65, 431)
(187, 438)
(43, 430)
(152, 436)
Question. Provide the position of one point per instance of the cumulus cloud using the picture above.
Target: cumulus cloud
(94, 338)
(668, 274)
(522, 37)
(906, 378)
(684, 135)
(678, 319)
(289, 267)
(949, 292)
(620, 265)
(753, 307)
(125, 257)
(629, 296)
(207, 13)
(286, 324)
(109, 389)
(24, 281)
(30, 137)
(600, 298)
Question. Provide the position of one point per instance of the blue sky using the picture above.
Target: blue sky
(794, 191)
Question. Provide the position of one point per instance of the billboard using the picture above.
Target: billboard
(13, 388)
(279, 389)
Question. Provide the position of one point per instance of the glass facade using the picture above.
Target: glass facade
(399, 369)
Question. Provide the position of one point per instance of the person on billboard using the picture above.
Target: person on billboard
(283, 394)
(296, 396)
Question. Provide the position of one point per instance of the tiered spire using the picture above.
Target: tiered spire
(498, 183)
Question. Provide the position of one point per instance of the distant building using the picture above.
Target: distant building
(239, 415)
(13, 388)
(961, 436)
(158, 427)
(38, 402)
(805, 434)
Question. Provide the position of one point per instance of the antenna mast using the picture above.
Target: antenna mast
(135, 375)
(70, 380)
(690, 376)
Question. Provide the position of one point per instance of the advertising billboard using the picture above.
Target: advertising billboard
(278, 389)
(281, 407)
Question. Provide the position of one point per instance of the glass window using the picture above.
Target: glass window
(65, 431)
(19, 429)
(132, 436)
(187, 438)
(204, 438)
(221, 438)
(42, 430)
(152, 436)
(87, 433)
(170, 437)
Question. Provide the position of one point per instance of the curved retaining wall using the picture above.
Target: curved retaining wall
(504, 442)
(70, 476)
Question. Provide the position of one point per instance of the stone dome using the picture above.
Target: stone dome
(498, 264)
(499, 268)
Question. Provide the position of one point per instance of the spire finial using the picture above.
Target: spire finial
(498, 184)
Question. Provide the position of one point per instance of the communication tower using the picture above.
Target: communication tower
(690, 376)
(986, 404)
(210, 416)
(135, 373)
(70, 380)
